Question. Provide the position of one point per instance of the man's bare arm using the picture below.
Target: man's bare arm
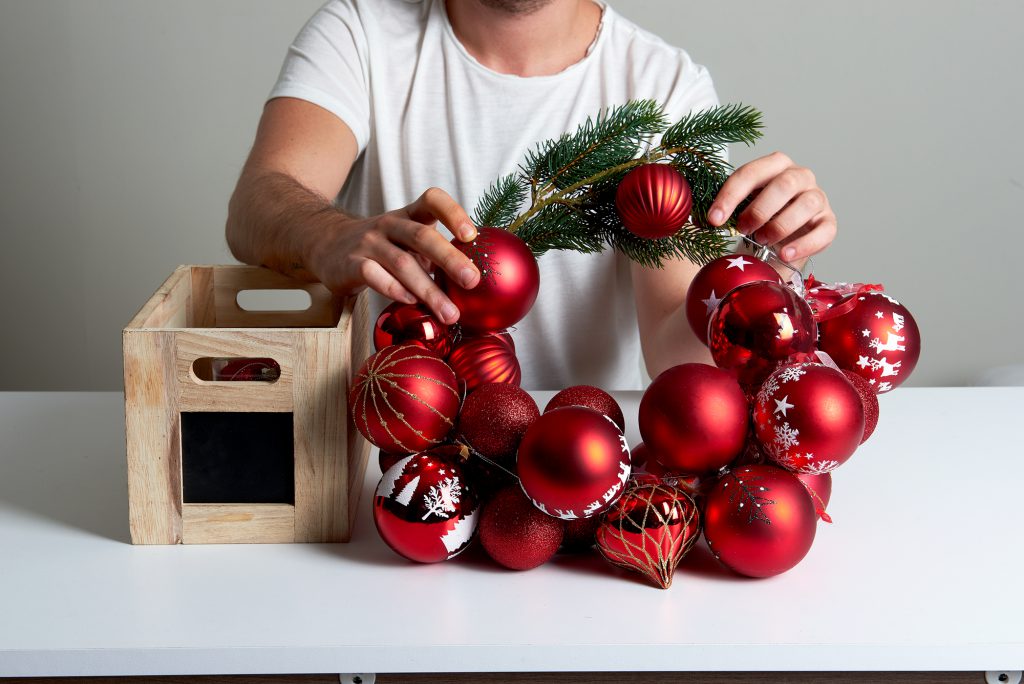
(280, 216)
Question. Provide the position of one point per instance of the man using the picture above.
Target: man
(379, 100)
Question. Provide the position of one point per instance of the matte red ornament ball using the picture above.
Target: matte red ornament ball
(876, 338)
(509, 281)
(868, 399)
(591, 397)
(425, 509)
(399, 323)
(759, 326)
(808, 418)
(694, 418)
(759, 520)
(573, 462)
(819, 486)
(404, 399)
(717, 279)
(494, 419)
(517, 535)
(654, 201)
(478, 361)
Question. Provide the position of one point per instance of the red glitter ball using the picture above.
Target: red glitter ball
(868, 398)
(494, 419)
(515, 533)
(591, 397)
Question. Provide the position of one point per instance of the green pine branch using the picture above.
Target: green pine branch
(571, 181)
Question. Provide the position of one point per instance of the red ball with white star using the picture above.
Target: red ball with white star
(715, 280)
(808, 418)
(875, 337)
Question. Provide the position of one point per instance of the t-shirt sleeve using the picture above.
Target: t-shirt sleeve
(327, 65)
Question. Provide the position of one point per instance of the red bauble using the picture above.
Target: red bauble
(757, 327)
(494, 419)
(424, 508)
(808, 418)
(654, 201)
(639, 457)
(245, 370)
(876, 338)
(579, 533)
(649, 530)
(868, 399)
(759, 520)
(716, 280)
(517, 535)
(386, 459)
(591, 397)
(573, 462)
(399, 323)
(509, 281)
(404, 399)
(481, 360)
(693, 418)
(820, 488)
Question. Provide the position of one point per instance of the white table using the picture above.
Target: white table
(922, 570)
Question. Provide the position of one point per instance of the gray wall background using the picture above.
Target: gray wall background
(124, 124)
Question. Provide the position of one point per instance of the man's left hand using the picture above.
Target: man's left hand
(789, 212)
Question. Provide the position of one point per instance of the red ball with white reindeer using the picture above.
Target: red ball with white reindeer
(873, 336)
(425, 509)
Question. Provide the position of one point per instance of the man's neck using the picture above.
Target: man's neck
(539, 43)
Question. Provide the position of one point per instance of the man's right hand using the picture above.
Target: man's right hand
(394, 253)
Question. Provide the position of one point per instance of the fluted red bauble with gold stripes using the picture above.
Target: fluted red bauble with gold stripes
(485, 359)
(404, 399)
(654, 201)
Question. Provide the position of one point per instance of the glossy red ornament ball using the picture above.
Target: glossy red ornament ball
(244, 370)
(868, 399)
(649, 530)
(573, 462)
(819, 486)
(517, 535)
(693, 418)
(717, 279)
(494, 419)
(757, 327)
(808, 418)
(579, 533)
(759, 520)
(478, 361)
(876, 338)
(509, 281)
(414, 323)
(591, 397)
(654, 201)
(425, 509)
(404, 399)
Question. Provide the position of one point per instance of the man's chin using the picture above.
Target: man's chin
(516, 6)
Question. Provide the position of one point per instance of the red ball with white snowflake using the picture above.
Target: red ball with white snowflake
(715, 280)
(759, 520)
(875, 337)
(573, 462)
(808, 418)
(404, 399)
(424, 508)
(509, 281)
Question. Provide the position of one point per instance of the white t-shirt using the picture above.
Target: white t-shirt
(426, 113)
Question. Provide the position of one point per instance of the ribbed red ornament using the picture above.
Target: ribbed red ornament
(425, 509)
(481, 360)
(649, 530)
(808, 418)
(573, 462)
(693, 418)
(759, 520)
(404, 399)
(400, 322)
(509, 281)
(591, 397)
(717, 279)
(654, 201)
(876, 338)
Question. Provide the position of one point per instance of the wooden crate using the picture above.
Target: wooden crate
(195, 315)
